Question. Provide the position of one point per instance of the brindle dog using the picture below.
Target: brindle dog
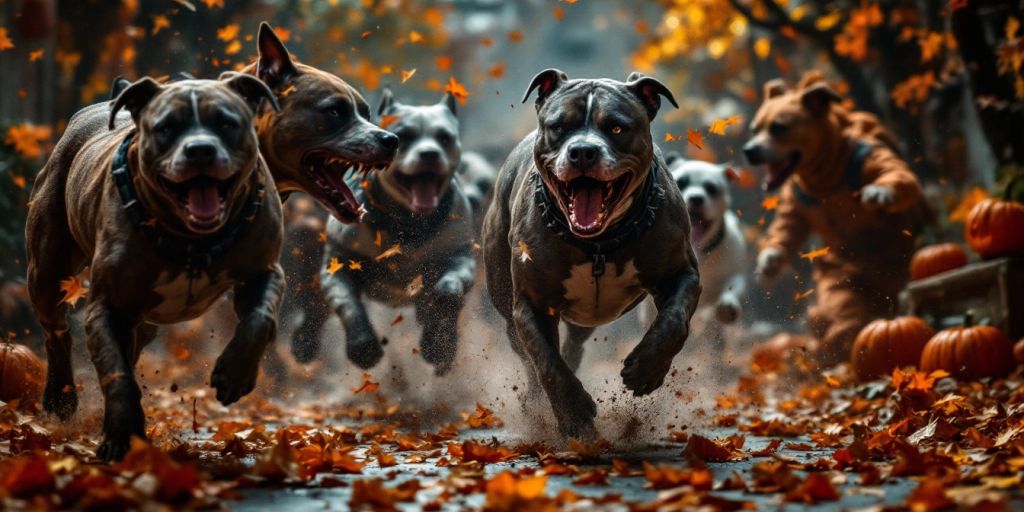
(170, 209)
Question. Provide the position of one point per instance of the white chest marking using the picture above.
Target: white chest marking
(596, 301)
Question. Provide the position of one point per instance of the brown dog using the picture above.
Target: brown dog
(169, 208)
(844, 182)
(321, 134)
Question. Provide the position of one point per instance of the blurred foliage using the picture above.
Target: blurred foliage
(21, 150)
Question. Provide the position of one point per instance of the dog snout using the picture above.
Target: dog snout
(754, 153)
(388, 140)
(200, 153)
(584, 155)
(695, 201)
(430, 155)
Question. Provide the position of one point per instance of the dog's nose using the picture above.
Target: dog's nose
(430, 155)
(753, 153)
(388, 140)
(583, 155)
(695, 201)
(200, 152)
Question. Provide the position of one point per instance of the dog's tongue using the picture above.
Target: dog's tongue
(203, 202)
(586, 201)
(423, 193)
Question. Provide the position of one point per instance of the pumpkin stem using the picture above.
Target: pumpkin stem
(969, 318)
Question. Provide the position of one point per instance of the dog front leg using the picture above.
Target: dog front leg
(438, 312)
(728, 308)
(646, 366)
(361, 343)
(111, 346)
(257, 301)
(573, 407)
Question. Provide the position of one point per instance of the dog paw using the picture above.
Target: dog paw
(645, 368)
(877, 197)
(728, 309)
(305, 346)
(113, 448)
(575, 412)
(62, 402)
(438, 346)
(449, 285)
(365, 351)
(769, 263)
(233, 376)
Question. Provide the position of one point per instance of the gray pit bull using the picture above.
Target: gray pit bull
(170, 208)
(414, 244)
(584, 224)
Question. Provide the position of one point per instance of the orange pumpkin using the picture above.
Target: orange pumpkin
(936, 259)
(993, 227)
(969, 352)
(886, 344)
(1018, 351)
(21, 373)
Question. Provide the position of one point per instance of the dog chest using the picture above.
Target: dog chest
(597, 300)
(180, 298)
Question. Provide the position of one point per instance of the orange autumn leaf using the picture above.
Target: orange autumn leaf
(386, 121)
(515, 36)
(443, 62)
(482, 417)
(394, 250)
(210, 4)
(28, 139)
(668, 477)
(558, 13)
(228, 32)
(355, 265)
(334, 266)
(406, 75)
(816, 487)
(972, 197)
(718, 126)
(803, 295)
(19, 181)
(770, 202)
(497, 71)
(378, 239)
(368, 385)
(5, 40)
(695, 138)
(817, 253)
(524, 252)
(233, 47)
(415, 37)
(160, 22)
(507, 492)
(669, 137)
(73, 289)
(456, 89)
(36, 55)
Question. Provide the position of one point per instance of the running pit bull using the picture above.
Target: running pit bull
(581, 229)
(170, 207)
(417, 205)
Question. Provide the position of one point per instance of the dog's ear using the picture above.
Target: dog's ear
(275, 66)
(545, 82)
(672, 157)
(117, 86)
(134, 98)
(773, 88)
(387, 100)
(649, 91)
(449, 101)
(818, 98)
(251, 89)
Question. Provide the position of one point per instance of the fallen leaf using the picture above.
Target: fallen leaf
(368, 386)
(695, 138)
(334, 266)
(73, 289)
(817, 253)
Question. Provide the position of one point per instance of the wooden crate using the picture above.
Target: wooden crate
(992, 290)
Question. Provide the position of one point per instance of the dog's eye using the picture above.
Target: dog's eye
(777, 128)
(444, 139)
(555, 128)
(711, 189)
(333, 112)
(683, 183)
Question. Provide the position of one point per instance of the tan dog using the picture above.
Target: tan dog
(843, 181)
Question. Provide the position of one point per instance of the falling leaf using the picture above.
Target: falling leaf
(5, 40)
(394, 250)
(973, 196)
(443, 63)
(36, 55)
(718, 126)
(456, 89)
(378, 239)
(233, 47)
(524, 252)
(160, 22)
(73, 289)
(334, 266)
(19, 181)
(770, 202)
(669, 137)
(803, 295)
(763, 47)
(817, 253)
(695, 138)
(355, 265)
(398, 319)
(406, 75)
(415, 37)
(515, 36)
(228, 32)
(497, 71)
(210, 4)
(368, 385)
(386, 121)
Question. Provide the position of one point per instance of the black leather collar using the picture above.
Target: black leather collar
(716, 240)
(196, 254)
(641, 216)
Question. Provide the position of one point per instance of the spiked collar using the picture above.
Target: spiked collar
(196, 254)
(640, 216)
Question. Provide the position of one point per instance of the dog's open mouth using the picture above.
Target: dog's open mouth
(422, 190)
(587, 202)
(699, 225)
(780, 170)
(327, 171)
(203, 200)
